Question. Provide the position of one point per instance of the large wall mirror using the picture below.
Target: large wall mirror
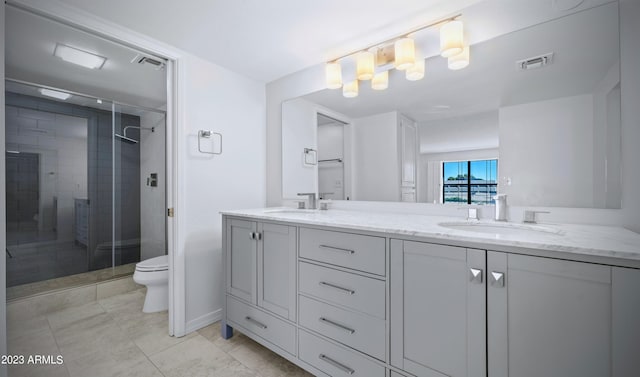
(545, 136)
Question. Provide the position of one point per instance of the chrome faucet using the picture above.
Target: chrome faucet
(312, 199)
(501, 207)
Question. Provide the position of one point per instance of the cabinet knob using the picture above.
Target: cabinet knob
(475, 275)
(252, 235)
(497, 279)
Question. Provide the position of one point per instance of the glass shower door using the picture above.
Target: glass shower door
(139, 221)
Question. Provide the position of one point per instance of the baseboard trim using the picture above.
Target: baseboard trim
(204, 320)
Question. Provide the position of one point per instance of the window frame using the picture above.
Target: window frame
(468, 184)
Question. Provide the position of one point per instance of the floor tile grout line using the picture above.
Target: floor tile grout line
(55, 340)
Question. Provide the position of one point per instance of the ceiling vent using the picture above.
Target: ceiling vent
(144, 60)
(535, 62)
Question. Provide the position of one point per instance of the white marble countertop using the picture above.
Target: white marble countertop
(590, 240)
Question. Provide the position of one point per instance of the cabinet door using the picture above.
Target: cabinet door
(277, 269)
(241, 259)
(548, 317)
(438, 309)
(625, 321)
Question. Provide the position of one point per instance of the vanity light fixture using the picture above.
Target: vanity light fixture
(54, 94)
(459, 61)
(79, 57)
(380, 81)
(373, 62)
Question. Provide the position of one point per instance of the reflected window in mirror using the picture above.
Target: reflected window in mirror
(469, 182)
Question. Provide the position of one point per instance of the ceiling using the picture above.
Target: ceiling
(29, 44)
(266, 40)
(586, 47)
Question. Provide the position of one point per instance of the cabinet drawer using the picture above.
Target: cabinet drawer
(335, 360)
(359, 252)
(359, 331)
(266, 326)
(357, 292)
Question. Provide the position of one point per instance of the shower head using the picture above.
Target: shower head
(126, 139)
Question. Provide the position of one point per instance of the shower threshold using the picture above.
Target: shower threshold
(72, 281)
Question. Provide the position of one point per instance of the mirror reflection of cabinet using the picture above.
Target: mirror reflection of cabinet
(408, 159)
(368, 158)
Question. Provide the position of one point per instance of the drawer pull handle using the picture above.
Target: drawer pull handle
(338, 249)
(259, 324)
(344, 290)
(336, 364)
(336, 324)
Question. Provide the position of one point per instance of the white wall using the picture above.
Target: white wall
(630, 53)
(63, 162)
(376, 165)
(220, 100)
(153, 204)
(3, 215)
(546, 152)
(477, 131)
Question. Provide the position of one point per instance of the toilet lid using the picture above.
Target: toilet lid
(160, 263)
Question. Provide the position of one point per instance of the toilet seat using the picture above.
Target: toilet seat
(160, 263)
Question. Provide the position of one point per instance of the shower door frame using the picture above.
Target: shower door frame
(175, 118)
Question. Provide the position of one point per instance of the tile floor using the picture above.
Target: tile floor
(112, 337)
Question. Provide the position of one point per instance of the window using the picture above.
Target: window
(470, 182)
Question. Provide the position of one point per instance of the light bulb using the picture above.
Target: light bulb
(416, 72)
(459, 61)
(451, 38)
(333, 73)
(365, 65)
(380, 81)
(405, 53)
(350, 89)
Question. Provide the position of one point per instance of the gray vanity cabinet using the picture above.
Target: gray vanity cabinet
(261, 265)
(438, 307)
(548, 317)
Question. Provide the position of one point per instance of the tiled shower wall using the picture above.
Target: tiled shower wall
(98, 161)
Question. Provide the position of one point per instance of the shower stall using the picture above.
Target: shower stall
(85, 185)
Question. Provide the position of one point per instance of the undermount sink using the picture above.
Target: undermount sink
(290, 210)
(502, 229)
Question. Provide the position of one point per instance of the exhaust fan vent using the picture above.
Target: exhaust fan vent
(535, 62)
(154, 62)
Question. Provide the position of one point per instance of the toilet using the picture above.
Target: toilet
(154, 273)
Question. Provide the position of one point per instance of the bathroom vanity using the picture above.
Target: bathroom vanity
(380, 294)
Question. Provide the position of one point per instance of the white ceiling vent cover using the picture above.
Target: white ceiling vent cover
(152, 61)
(535, 62)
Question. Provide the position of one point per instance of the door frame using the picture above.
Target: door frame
(175, 120)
